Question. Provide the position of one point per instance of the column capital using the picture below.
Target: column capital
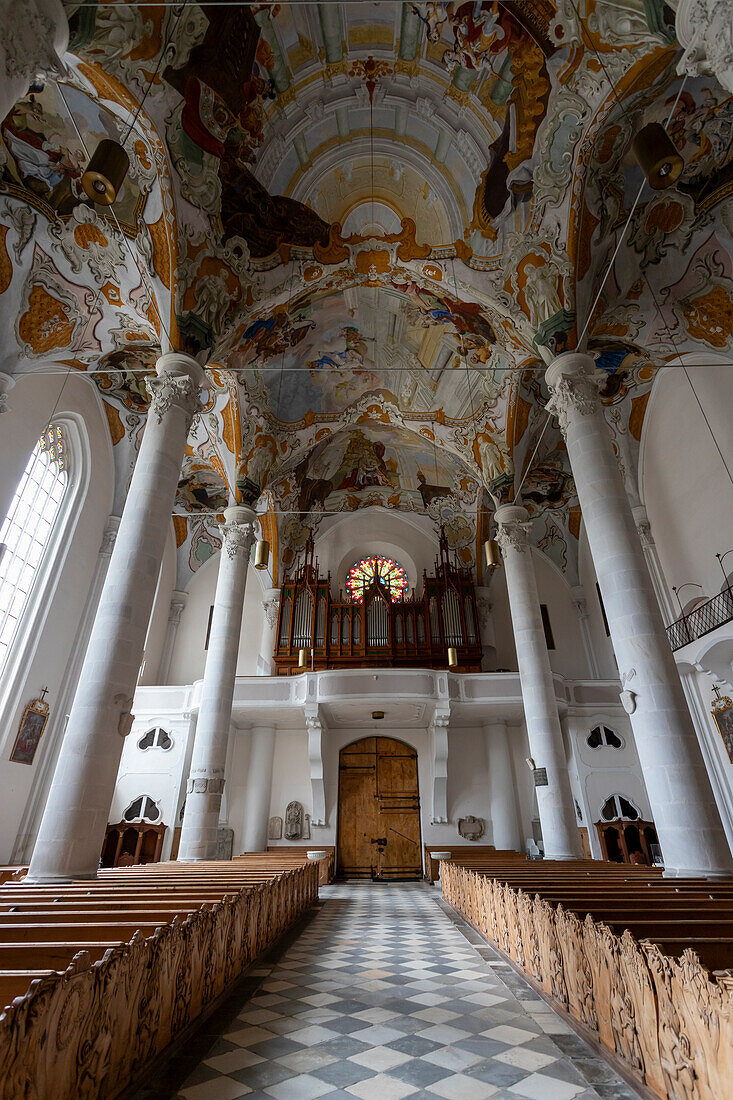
(178, 602)
(238, 529)
(35, 44)
(574, 384)
(178, 381)
(705, 30)
(513, 527)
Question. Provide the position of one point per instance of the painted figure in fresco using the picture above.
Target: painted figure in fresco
(363, 465)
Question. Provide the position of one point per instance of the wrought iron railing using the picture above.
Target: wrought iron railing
(704, 618)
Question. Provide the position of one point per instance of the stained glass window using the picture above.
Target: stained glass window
(390, 573)
(27, 529)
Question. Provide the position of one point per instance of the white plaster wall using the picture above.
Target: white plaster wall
(343, 540)
(569, 656)
(189, 657)
(600, 641)
(684, 485)
(32, 401)
(158, 626)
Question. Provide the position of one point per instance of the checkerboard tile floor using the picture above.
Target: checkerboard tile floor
(386, 994)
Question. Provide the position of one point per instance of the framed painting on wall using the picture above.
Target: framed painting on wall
(31, 728)
(723, 716)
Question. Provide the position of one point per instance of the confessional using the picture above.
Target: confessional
(129, 844)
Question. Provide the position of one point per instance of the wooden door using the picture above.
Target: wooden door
(379, 810)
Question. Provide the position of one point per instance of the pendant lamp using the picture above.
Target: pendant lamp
(105, 172)
(492, 555)
(657, 156)
(262, 554)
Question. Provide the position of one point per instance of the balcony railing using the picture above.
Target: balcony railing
(706, 617)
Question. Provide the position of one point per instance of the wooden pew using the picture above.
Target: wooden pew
(328, 868)
(99, 977)
(624, 952)
(461, 852)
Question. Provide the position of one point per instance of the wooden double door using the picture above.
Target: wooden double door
(379, 811)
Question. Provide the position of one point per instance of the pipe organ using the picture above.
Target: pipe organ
(378, 630)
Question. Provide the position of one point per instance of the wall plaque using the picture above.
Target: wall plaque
(540, 777)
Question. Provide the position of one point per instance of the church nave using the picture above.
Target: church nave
(384, 995)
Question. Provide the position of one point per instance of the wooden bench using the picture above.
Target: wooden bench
(462, 852)
(138, 954)
(602, 941)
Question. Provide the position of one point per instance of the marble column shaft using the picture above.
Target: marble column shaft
(506, 833)
(259, 787)
(685, 814)
(555, 799)
(208, 761)
(75, 819)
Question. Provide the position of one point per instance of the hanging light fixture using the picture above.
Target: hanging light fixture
(262, 554)
(303, 658)
(452, 657)
(492, 555)
(657, 155)
(105, 172)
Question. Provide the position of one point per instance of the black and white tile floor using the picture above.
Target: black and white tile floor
(385, 994)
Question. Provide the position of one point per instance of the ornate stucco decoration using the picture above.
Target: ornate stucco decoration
(513, 536)
(238, 538)
(576, 393)
(705, 29)
(167, 392)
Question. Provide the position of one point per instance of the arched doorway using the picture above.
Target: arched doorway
(379, 810)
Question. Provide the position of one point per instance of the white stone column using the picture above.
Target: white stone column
(259, 787)
(178, 602)
(74, 822)
(208, 762)
(554, 798)
(685, 814)
(271, 607)
(502, 791)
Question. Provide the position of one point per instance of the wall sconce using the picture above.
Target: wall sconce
(721, 558)
(492, 554)
(105, 172)
(262, 554)
(452, 657)
(676, 590)
(657, 156)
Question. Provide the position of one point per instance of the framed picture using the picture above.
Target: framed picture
(723, 715)
(32, 725)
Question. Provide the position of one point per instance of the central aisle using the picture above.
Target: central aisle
(382, 996)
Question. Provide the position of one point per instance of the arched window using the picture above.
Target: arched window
(155, 738)
(619, 806)
(27, 529)
(142, 808)
(390, 575)
(604, 737)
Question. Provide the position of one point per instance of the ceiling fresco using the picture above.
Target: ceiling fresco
(376, 222)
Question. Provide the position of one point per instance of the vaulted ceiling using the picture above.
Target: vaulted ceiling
(377, 222)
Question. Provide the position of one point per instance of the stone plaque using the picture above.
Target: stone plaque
(306, 835)
(540, 777)
(471, 828)
(275, 828)
(293, 821)
(224, 843)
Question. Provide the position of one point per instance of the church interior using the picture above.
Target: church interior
(366, 549)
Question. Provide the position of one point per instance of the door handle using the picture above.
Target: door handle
(379, 840)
